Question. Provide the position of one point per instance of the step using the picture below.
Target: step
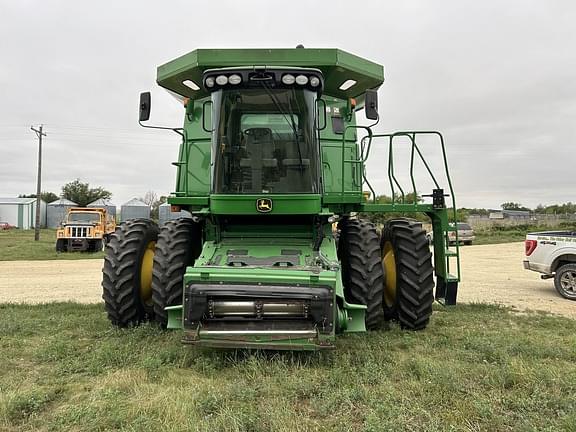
(451, 278)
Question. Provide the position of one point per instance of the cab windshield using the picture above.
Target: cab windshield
(84, 217)
(265, 141)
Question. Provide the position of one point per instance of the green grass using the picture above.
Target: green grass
(18, 245)
(491, 237)
(475, 368)
(514, 233)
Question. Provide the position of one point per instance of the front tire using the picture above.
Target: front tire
(409, 287)
(127, 273)
(178, 246)
(362, 272)
(96, 246)
(565, 281)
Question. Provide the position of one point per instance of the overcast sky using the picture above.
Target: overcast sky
(497, 78)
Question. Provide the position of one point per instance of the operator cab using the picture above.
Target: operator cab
(265, 138)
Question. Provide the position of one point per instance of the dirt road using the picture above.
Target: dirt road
(490, 273)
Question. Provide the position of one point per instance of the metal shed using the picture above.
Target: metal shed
(164, 214)
(21, 212)
(56, 211)
(134, 209)
(105, 204)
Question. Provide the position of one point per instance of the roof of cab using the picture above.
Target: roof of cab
(336, 65)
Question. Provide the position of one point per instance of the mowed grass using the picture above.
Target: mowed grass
(476, 368)
(19, 245)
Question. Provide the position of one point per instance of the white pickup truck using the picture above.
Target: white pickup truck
(554, 255)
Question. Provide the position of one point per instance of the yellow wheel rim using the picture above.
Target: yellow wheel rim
(389, 264)
(146, 273)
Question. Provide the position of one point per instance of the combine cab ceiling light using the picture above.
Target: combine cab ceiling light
(191, 84)
(347, 84)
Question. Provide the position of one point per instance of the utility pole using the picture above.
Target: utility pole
(39, 134)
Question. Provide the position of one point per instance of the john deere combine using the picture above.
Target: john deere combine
(271, 157)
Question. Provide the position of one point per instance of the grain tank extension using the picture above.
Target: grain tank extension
(271, 157)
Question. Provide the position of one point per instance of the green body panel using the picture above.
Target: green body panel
(332, 173)
(281, 204)
(336, 65)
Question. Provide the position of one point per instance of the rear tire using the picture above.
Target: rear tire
(409, 287)
(565, 281)
(178, 246)
(362, 271)
(125, 273)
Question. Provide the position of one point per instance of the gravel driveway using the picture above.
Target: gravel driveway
(490, 274)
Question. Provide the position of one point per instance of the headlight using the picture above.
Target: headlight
(302, 80)
(235, 79)
(314, 81)
(209, 82)
(221, 80)
(288, 79)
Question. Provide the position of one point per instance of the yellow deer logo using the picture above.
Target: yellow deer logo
(264, 205)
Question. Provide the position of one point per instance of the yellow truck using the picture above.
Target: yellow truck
(84, 229)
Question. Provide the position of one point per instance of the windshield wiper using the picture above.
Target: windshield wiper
(291, 123)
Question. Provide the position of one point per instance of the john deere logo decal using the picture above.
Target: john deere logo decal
(264, 205)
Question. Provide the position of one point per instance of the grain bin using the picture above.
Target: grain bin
(164, 214)
(134, 209)
(105, 204)
(56, 211)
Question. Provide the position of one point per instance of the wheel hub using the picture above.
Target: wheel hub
(146, 274)
(389, 264)
(568, 282)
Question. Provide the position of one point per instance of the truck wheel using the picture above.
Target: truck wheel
(60, 245)
(362, 272)
(178, 246)
(96, 246)
(565, 281)
(409, 283)
(127, 272)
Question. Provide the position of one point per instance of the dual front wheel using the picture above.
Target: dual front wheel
(391, 274)
(144, 267)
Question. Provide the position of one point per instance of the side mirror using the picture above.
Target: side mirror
(371, 104)
(145, 104)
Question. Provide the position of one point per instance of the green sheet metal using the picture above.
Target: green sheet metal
(337, 66)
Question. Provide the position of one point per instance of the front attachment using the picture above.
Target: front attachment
(259, 316)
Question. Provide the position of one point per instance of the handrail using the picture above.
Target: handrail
(361, 160)
(414, 148)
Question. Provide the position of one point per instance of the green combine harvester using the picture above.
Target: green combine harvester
(272, 169)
